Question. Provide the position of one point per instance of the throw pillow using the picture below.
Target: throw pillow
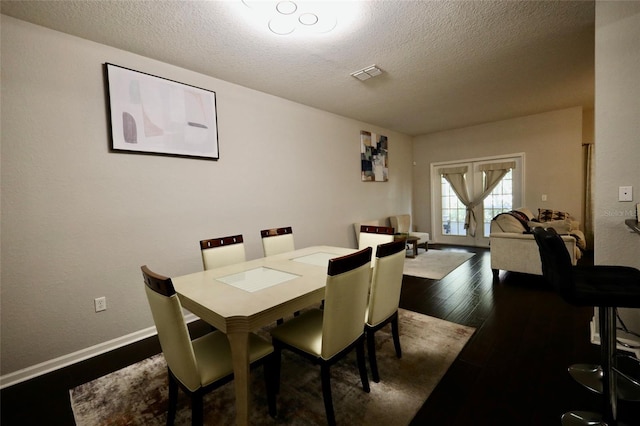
(546, 215)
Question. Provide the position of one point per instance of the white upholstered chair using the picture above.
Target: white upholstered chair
(218, 252)
(402, 224)
(203, 364)
(384, 298)
(372, 236)
(326, 336)
(277, 240)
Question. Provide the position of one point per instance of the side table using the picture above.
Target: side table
(412, 241)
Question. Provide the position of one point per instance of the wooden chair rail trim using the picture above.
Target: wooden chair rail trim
(276, 231)
(350, 261)
(377, 229)
(388, 249)
(222, 241)
(158, 283)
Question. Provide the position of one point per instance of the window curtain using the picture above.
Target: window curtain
(589, 153)
(492, 175)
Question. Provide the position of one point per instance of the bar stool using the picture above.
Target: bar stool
(605, 287)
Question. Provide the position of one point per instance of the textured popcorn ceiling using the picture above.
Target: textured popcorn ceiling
(446, 64)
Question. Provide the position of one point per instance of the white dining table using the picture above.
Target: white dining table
(241, 298)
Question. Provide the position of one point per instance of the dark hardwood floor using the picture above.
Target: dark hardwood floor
(513, 371)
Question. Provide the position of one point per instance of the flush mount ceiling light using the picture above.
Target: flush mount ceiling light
(367, 73)
(285, 17)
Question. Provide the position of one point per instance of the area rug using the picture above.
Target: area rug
(137, 395)
(434, 264)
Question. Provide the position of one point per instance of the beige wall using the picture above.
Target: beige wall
(617, 130)
(617, 135)
(552, 143)
(79, 221)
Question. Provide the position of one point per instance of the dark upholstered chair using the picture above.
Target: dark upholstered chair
(604, 287)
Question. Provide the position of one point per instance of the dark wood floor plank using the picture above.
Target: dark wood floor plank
(513, 371)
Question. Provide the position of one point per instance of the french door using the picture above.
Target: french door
(449, 212)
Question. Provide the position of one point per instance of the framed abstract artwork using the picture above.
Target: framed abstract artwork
(374, 157)
(154, 115)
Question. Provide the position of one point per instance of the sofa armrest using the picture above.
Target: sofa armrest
(520, 253)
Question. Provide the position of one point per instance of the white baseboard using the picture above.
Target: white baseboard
(81, 355)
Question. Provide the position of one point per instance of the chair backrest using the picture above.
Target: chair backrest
(218, 252)
(173, 333)
(372, 236)
(345, 301)
(401, 223)
(277, 240)
(555, 259)
(386, 282)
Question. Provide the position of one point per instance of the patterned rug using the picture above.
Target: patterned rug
(434, 264)
(137, 395)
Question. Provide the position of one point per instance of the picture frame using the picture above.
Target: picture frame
(374, 157)
(154, 115)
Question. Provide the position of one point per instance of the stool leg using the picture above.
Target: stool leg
(608, 355)
(607, 322)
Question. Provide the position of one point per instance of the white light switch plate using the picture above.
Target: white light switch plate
(625, 193)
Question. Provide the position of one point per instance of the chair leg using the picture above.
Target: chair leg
(371, 349)
(173, 399)
(326, 393)
(277, 361)
(269, 368)
(395, 331)
(362, 366)
(197, 409)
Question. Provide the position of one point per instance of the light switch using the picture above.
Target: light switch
(544, 197)
(625, 193)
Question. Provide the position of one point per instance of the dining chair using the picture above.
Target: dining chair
(277, 240)
(218, 252)
(372, 236)
(326, 335)
(384, 299)
(203, 364)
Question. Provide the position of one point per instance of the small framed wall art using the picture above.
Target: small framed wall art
(154, 115)
(374, 157)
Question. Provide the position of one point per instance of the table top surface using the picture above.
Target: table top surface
(250, 294)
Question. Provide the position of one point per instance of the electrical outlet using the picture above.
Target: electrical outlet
(100, 304)
(625, 193)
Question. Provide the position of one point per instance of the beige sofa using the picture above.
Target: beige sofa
(513, 247)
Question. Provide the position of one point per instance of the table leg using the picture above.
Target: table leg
(239, 342)
(414, 252)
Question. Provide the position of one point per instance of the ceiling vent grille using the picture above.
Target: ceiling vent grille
(367, 73)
